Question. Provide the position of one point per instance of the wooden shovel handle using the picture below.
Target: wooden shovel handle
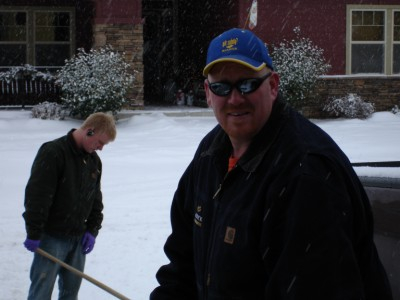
(81, 274)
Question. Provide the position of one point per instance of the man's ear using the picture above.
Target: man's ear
(274, 84)
(207, 90)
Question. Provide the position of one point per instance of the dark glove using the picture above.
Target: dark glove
(31, 245)
(88, 241)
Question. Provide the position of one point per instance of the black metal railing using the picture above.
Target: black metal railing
(23, 92)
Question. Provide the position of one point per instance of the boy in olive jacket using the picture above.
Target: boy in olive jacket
(63, 205)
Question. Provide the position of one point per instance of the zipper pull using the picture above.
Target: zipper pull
(217, 192)
(208, 279)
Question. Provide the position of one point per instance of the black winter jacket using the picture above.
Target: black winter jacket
(290, 221)
(63, 195)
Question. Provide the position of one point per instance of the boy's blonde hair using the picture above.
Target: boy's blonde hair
(101, 122)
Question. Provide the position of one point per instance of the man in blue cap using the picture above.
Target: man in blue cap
(269, 207)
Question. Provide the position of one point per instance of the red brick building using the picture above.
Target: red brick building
(166, 40)
(44, 33)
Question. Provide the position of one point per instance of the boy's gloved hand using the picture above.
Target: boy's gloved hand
(31, 245)
(88, 241)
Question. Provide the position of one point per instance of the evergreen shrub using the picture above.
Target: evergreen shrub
(95, 81)
(299, 63)
(351, 106)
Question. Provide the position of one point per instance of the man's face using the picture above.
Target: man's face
(95, 142)
(241, 115)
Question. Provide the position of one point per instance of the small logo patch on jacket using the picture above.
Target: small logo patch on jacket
(198, 219)
(229, 235)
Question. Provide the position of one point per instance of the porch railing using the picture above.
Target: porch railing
(28, 92)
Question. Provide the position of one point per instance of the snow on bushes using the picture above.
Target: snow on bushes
(395, 110)
(299, 63)
(350, 106)
(26, 72)
(49, 110)
(95, 81)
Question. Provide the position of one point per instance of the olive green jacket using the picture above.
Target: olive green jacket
(63, 195)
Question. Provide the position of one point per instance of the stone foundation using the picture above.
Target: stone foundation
(127, 38)
(383, 91)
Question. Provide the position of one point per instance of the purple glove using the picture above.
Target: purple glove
(31, 245)
(88, 241)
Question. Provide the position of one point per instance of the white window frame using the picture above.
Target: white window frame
(388, 35)
(395, 42)
(30, 29)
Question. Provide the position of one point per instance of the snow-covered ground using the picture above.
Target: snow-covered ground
(140, 172)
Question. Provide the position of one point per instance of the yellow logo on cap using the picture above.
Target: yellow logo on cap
(229, 45)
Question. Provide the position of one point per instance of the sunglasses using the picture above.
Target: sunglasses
(244, 86)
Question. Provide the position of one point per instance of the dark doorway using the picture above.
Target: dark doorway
(176, 34)
(158, 49)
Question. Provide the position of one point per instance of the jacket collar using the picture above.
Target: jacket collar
(75, 149)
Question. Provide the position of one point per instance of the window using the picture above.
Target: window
(373, 40)
(37, 36)
(13, 36)
(396, 42)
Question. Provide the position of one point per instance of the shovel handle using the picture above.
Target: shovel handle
(81, 274)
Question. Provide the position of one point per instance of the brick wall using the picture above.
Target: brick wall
(126, 38)
(383, 91)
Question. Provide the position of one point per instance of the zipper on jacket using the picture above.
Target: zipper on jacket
(210, 249)
(216, 205)
(217, 192)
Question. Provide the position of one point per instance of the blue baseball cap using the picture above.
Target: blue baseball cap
(240, 46)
